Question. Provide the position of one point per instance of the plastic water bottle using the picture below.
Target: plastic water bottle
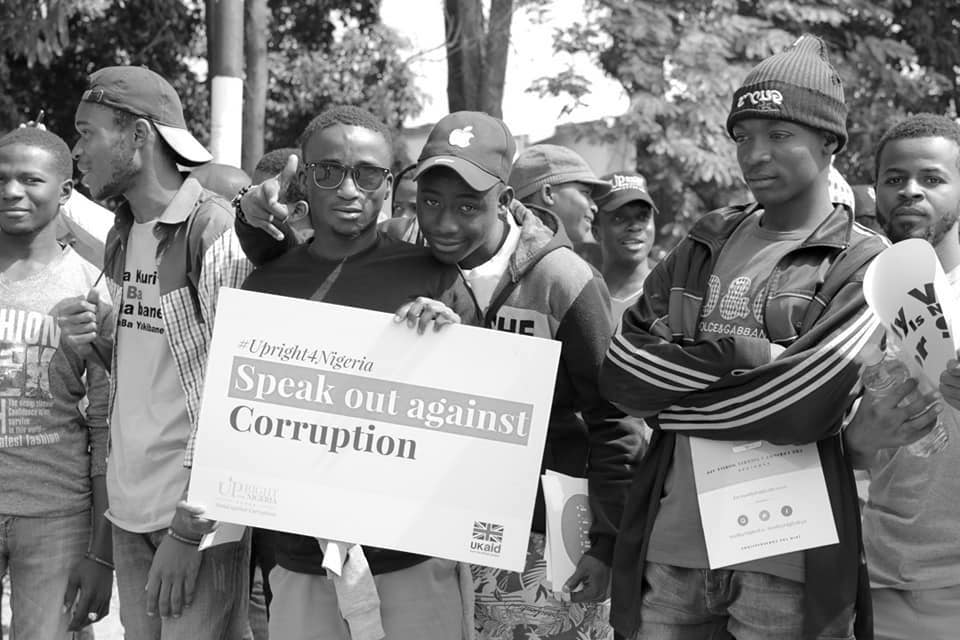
(882, 372)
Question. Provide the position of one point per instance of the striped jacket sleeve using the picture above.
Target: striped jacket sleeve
(647, 369)
(800, 397)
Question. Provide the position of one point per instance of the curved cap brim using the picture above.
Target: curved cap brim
(617, 199)
(477, 178)
(188, 149)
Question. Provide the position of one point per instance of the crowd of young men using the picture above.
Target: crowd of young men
(749, 330)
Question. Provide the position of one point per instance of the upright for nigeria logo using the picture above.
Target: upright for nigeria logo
(487, 538)
(247, 496)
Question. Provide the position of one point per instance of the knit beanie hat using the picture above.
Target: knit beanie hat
(799, 85)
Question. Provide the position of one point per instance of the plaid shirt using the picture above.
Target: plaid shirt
(198, 253)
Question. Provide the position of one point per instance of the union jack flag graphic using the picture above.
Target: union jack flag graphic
(487, 532)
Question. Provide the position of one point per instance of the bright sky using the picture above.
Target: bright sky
(531, 56)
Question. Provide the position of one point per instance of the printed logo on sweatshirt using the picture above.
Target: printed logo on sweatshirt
(525, 322)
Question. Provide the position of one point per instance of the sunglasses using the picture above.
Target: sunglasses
(330, 175)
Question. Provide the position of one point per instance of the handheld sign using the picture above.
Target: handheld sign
(907, 289)
(339, 423)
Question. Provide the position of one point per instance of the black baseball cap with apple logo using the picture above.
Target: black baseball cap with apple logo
(477, 146)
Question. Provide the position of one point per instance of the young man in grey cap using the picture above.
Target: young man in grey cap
(170, 251)
(624, 228)
(745, 337)
(555, 178)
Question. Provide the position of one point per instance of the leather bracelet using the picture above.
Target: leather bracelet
(185, 540)
(237, 199)
(89, 555)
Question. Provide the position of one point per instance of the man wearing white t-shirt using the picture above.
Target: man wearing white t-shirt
(171, 249)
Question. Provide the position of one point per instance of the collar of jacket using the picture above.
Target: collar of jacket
(177, 211)
(716, 227)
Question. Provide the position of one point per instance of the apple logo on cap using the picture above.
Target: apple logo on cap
(461, 137)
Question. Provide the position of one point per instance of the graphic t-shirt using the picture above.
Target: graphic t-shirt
(45, 466)
(484, 278)
(734, 306)
(149, 427)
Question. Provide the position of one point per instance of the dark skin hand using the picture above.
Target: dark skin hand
(881, 424)
(950, 384)
(593, 575)
(91, 583)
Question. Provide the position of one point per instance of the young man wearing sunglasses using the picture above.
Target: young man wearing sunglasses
(345, 152)
(525, 279)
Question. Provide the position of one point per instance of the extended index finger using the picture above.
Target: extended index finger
(289, 173)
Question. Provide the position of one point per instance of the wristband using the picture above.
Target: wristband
(95, 558)
(185, 540)
(237, 199)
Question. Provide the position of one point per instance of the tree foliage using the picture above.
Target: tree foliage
(321, 52)
(681, 61)
(160, 34)
(361, 66)
(38, 30)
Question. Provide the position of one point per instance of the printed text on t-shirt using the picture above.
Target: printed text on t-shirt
(134, 313)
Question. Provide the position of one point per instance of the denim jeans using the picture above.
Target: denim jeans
(219, 609)
(39, 553)
(700, 604)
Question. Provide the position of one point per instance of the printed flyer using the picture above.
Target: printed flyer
(759, 499)
(569, 518)
(340, 423)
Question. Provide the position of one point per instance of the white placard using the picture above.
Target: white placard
(339, 423)
(907, 289)
(759, 499)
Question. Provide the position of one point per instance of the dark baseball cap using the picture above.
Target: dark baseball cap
(477, 146)
(143, 93)
(624, 188)
(542, 164)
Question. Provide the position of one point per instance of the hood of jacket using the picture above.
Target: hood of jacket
(540, 233)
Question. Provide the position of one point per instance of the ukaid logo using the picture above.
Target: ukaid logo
(764, 100)
(487, 538)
